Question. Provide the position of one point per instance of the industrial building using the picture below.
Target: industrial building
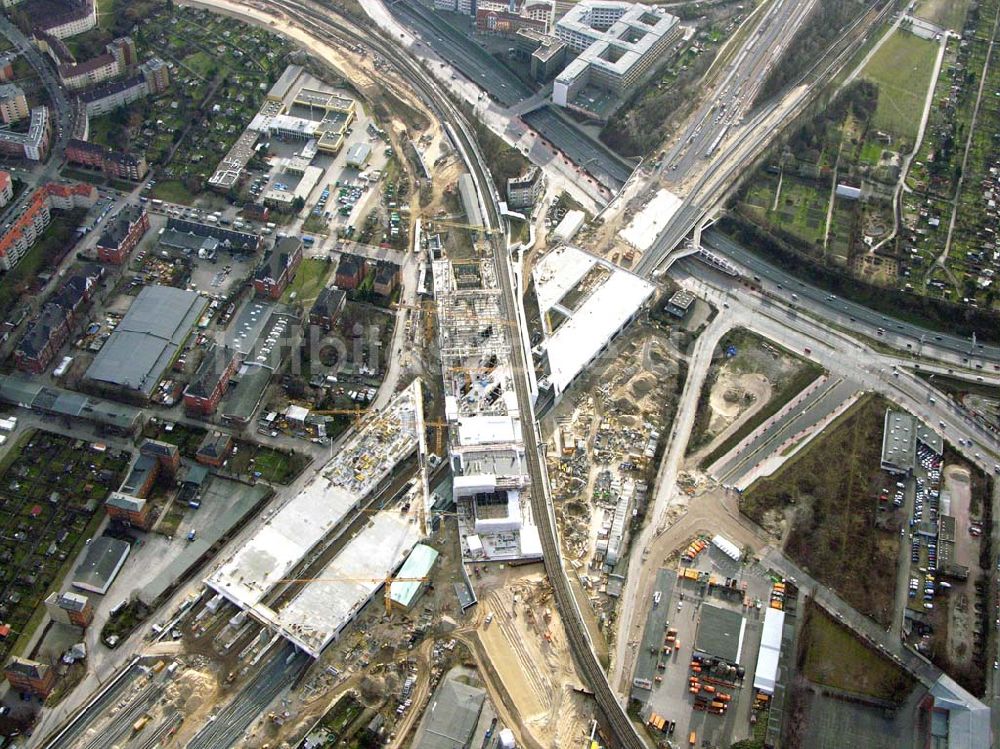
(101, 564)
(585, 302)
(451, 716)
(765, 675)
(407, 591)
(899, 442)
(27, 393)
(192, 235)
(317, 516)
(720, 633)
(617, 44)
(147, 340)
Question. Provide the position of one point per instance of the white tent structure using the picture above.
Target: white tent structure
(727, 547)
(766, 673)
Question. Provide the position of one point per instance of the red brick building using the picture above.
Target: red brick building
(386, 278)
(141, 477)
(116, 164)
(167, 455)
(278, 268)
(350, 271)
(70, 608)
(30, 676)
(119, 239)
(327, 308)
(134, 511)
(211, 381)
(214, 449)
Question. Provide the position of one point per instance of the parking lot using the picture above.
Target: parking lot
(685, 604)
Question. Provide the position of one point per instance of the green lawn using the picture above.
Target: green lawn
(902, 69)
(949, 14)
(834, 657)
(173, 191)
(308, 281)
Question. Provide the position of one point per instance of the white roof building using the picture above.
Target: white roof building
(766, 674)
(611, 297)
(618, 43)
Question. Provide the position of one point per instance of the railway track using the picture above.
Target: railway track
(723, 175)
(623, 732)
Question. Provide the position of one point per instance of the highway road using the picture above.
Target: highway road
(904, 336)
(704, 182)
(733, 96)
(841, 355)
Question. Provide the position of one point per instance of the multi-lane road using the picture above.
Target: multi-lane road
(731, 98)
(906, 337)
(735, 142)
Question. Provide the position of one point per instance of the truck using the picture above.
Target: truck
(692, 739)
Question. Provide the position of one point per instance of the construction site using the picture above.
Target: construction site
(314, 615)
(605, 438)
(490, 484)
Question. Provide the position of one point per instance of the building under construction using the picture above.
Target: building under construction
(316, 517)
(491, 484)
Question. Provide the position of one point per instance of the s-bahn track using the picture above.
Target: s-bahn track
(317, 19)
(697, 206)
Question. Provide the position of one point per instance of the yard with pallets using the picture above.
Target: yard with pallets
(52, 489)
(824, 503)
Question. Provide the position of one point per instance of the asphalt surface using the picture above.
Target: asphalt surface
(228, 725)
(502, 85)
(813, 409)
(59, 111)
(734, 140)
(462, 52)
(592, 156)
(740, 84)
(850, 315)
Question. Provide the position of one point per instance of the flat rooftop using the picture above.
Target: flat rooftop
(594, 320)
(315, 616)
(148, 338)
(899, 441)
(321, 506)
(720, 633)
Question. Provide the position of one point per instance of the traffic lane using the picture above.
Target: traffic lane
(468, 57)
(605, 167)
(839, 354)
(843, 309)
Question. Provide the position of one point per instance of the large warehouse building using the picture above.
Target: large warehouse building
(147, 340)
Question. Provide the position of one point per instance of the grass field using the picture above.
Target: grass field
(308, 281)
(172, 191)
(834, 657)
(948, 14)
(902, 69)
(830, 488)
